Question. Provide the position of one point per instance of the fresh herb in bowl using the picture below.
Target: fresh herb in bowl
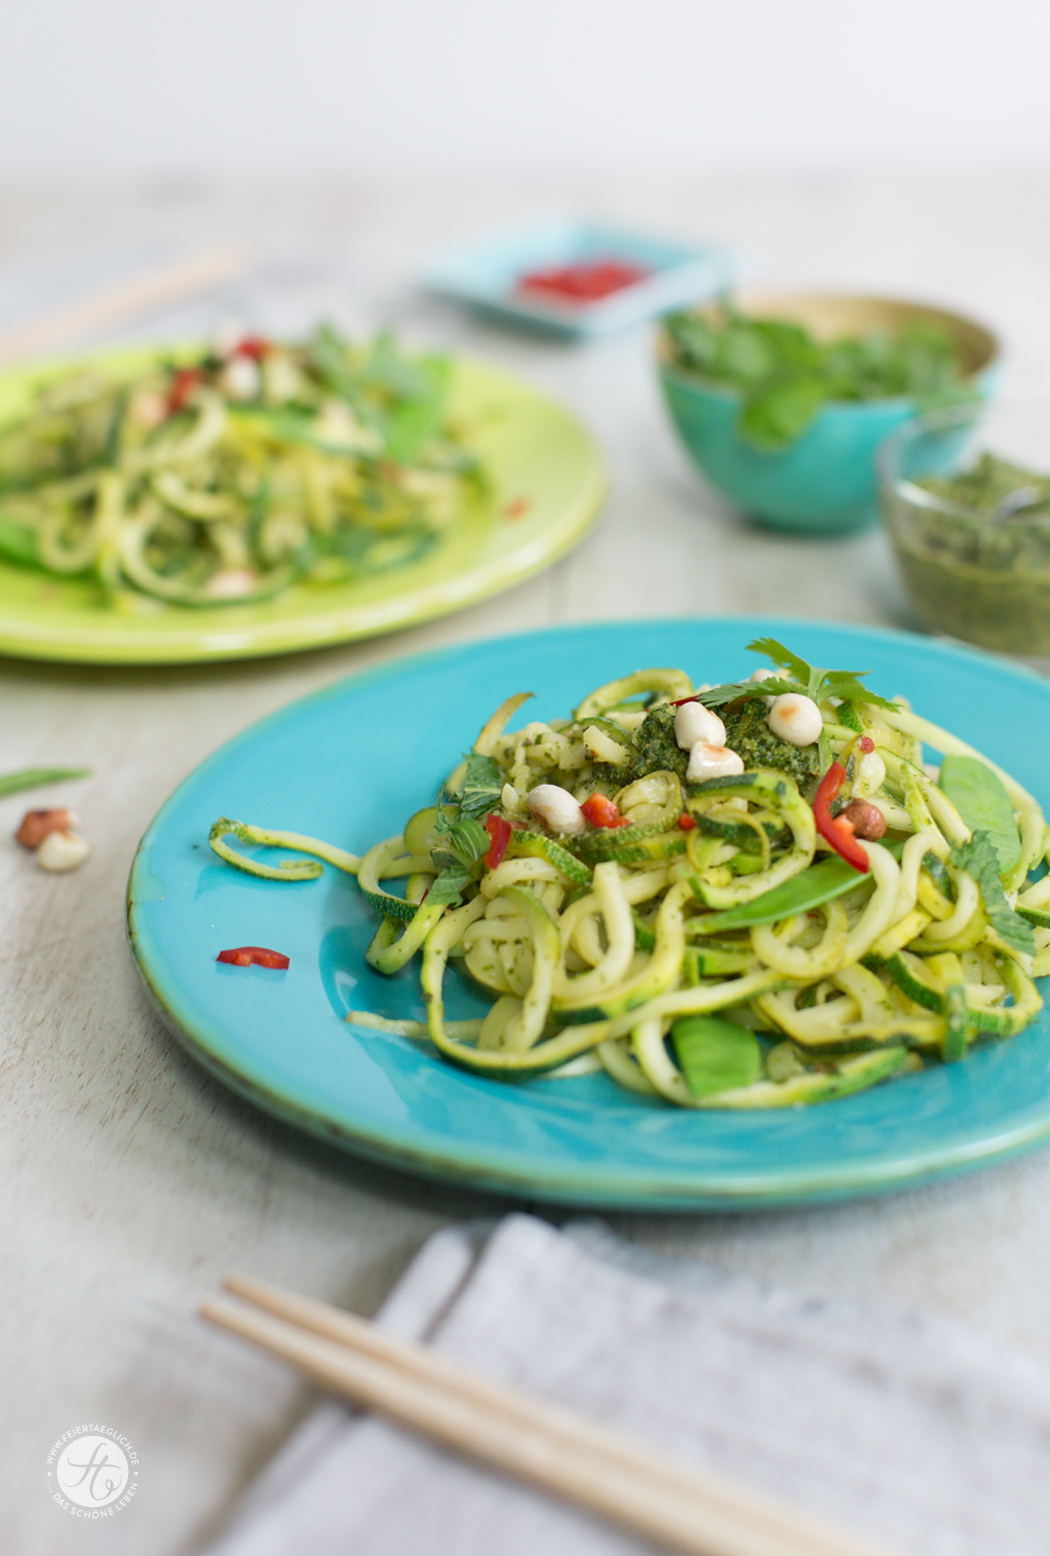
(784, 373)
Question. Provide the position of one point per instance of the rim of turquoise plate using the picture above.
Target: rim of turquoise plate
(603, 1185)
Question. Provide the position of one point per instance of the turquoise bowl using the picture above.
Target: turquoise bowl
(824, 484)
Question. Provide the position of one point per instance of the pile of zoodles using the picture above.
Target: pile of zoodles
(229, 476)
(813, 919)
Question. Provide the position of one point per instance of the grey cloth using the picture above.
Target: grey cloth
(899, 1425)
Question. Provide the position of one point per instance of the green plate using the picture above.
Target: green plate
(547, 482)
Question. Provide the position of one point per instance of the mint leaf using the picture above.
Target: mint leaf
(447, 888)
(482, 786)
(470, 841)
(414, 423)
(978, 858)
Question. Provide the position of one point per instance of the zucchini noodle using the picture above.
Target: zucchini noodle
(703, 943)
(226, 477)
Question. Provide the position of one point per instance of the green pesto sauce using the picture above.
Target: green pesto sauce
(658, 750)
(750, 736)
(747, 733)
(983, 487)
(981, 579)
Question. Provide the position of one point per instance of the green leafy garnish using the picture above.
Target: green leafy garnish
(774, 419)
(482, 786)
(978, 858)
(784, 374)
(980, 798)
(448, 886)
(715, 1055)
(809, 680)
(461, 843)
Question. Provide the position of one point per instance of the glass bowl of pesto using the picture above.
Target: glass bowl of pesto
(971, 531)
(782, 399)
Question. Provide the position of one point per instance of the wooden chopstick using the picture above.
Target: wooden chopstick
(420, 1362)
(512, 1431)
(96, 311)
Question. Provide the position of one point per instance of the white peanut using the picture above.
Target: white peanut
(240, 379)
(710, 761)
(62, 851)
(763, 674)
(796, 719)
(557, 809)
(694, 722)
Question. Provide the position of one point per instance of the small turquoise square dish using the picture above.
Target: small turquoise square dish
(488, 275)
(352, 762)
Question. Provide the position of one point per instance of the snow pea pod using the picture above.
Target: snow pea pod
(819, 883)
(980, 797)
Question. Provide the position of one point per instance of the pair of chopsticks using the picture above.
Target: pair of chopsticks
(140, 294)
(524, 1436)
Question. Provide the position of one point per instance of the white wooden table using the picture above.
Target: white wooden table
(131, 1180)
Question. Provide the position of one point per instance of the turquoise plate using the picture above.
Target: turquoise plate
(351, 763)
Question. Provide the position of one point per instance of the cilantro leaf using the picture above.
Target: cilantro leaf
(847, 685)
(743, 691)
(482, 786)
(784, 375)
(769, 648)
(980, 861)
(815, 682)
(777, 413)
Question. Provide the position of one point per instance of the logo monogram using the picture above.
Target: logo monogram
(92, 1472)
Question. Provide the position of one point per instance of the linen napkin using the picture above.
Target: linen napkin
(899, 1425)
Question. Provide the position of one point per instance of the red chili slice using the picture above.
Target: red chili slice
(253, 346)
(183, 384)
(600, 811)
(499, 830)
(836, 830)
(686, 822)
(245, 955)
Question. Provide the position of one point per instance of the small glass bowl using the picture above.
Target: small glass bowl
(981, 579)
